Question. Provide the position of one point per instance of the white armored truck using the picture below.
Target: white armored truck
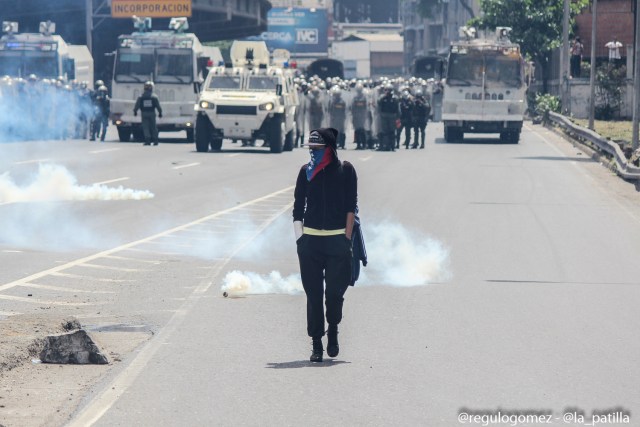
(43, 54)
(485, 88)
(174, 60)
(251, 98)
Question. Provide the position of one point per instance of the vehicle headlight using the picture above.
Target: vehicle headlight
(206, 105)
(266, 107)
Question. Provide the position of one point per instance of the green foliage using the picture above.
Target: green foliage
(610, 86)
(545, 103)
(536, 24)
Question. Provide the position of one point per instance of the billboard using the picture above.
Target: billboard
(150, 8)
(300, 31)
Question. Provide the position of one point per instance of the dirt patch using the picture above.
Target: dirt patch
(38, 394)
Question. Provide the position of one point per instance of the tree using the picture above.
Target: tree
(426, 7)
(536, 25)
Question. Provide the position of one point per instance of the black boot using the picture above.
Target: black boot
(332, 344)
(316, 352)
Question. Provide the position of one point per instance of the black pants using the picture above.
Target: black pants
(575, 65)
(419, 130)
(324, 259)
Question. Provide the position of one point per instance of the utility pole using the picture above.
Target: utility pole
(592, 77)
(564, 61)
(636, 82)
(89, 24)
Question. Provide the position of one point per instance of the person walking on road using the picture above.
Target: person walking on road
(148, 103)
(325, 200)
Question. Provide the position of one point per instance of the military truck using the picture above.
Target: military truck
(43, 54)
(174, 60)
(251, 98)
(485, 87)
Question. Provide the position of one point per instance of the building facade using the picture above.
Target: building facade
(432, 36)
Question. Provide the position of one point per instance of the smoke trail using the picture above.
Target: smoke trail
(53, 183)
(243, 283)
(397, 257)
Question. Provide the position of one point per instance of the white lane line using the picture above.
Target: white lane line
(150, 251)
(110, 267)
(43, 302)
(26, 162)
(93, 279)
(9, 313)
(106, 150)
(130, 246)
(98, 406)
(111, 181)
(186, 166)
(233, 155)
(10, 251)
(145, 261)
(62, 289)
(364, 159)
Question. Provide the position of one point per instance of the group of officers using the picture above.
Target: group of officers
(381, 112)
(37, 109)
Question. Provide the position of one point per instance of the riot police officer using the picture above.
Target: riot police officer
(389, 110)
(359, 113)
(406, 118)
(315, 109)
(148, 103)
(337, 109)
(102, 109)
(421, 113)
(301, 113)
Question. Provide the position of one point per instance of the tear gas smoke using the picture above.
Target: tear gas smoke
(53, 183)
(50, 224)
(397, 257)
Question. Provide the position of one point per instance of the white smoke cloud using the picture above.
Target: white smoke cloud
(396, 257)
(55, 183)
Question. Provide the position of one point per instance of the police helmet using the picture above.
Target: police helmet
(419, 94)
(148, 85)
(33, 78)
(99, 83)
(103, 89)
(388, 88)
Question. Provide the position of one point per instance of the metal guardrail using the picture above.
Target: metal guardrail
(623, 167)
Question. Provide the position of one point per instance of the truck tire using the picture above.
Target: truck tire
(510, 137)
(203, 133)
(276, 136)
(216, 144)
(190, 136)
(124, 134)
(453, 134)
(288, 141)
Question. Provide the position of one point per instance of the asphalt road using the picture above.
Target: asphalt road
(524, 260)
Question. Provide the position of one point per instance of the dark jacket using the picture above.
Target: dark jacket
(323, 202)
(148, 103)
(359, 250)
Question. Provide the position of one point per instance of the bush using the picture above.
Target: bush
(545, 103)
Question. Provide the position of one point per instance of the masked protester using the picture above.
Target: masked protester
(148, 103)
(325, 200)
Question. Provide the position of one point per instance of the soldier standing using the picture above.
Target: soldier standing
(338, 114)
(301, 114)
(148, 103)
(359, 113)
(421, 113)
(102, 109)
(388, 109)
(406, 117)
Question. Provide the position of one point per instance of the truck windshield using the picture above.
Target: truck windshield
(224, 83)
(22, 64)
(174, 66)
(499, 70)
(134, 66)
(262, 83)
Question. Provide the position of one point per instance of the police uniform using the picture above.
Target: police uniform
(148, 103)
(421, 112)
(406, 121)
(315, 110)
(338, 116)
(388, 110)
(359, 112)
(102, 108)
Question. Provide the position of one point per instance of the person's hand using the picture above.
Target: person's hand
(160, 115)
(135, 113)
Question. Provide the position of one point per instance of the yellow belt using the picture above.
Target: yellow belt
(316, 232)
